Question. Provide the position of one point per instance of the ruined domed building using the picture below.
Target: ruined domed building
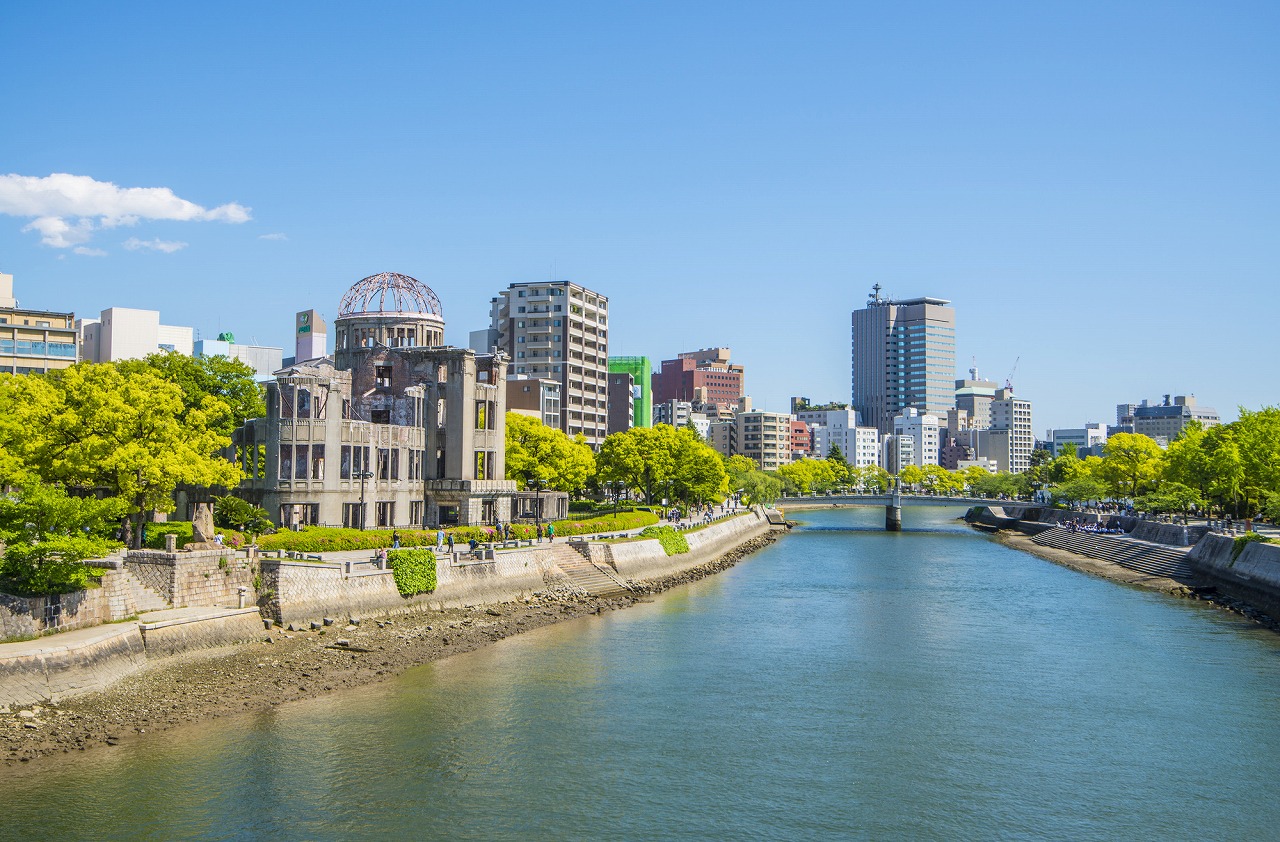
(396, 429)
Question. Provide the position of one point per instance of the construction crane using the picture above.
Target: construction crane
(1008, 380)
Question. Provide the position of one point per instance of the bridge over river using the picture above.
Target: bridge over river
(892, 502)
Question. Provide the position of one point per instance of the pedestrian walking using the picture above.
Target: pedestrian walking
(395, 539)
(450, 543)
(551, 532)
(439, 538)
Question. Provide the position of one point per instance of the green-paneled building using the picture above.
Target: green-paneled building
(641, 371)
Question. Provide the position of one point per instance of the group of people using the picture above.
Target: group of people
(1078, 525)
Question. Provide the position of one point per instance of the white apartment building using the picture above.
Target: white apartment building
(123, 333)
(924, 431)
(264, 360)
(1012, 415)
(558, 330)
(860, 445)
(1084, 438)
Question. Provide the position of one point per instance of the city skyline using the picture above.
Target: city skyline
(1094, 215)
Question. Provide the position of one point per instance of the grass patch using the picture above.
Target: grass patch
(1241, 541)
(672, 540)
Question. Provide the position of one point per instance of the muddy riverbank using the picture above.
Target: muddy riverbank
(290, 666)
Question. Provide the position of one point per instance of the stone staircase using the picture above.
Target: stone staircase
(1139, 556)
(584, 574)
(144, 597)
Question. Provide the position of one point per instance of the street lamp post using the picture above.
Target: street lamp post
(364, 475)
(536, 485)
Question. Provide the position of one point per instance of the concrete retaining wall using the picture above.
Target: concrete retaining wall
(172, 637)
(302, 592)
(83, 661)
(1254, 577)
(641, 560)
(27, 616)
(1173, 534)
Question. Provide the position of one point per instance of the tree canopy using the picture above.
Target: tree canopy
(538, 452)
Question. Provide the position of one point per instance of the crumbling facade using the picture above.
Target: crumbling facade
(397, 430)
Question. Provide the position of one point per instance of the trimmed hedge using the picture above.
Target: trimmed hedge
(184, 529)
(413, 570)
(672, 540)
(329, 539)
(605, 523)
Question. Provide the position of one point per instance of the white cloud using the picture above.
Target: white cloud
(166, 246)
(88, 252)
(66, 209)
(276, 236)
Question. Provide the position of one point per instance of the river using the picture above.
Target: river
(842, 683)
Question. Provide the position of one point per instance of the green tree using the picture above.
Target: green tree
(47, 536)
(128, 433)
(1131, 464)
(642, 457)
(761, 489)
(535, 451)
(1169, 498)
(1082, 489)
(911, 475)
(699, 475)
(231, 381)
(808, 475)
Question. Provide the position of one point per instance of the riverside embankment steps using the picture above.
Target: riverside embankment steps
(144, 597)
(584, 574)
(1139, 556)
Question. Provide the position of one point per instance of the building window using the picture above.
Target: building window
(351, 516)
(286, 461)
(380, 416)
(382, 376)
(300, 462)
(317, 461)
(416, 512)
(344, 468)
(395, 463)
(384, 463)
(386, 515)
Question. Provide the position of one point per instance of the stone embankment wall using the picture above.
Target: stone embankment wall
(305, 592)
(1253, 576)
(89, 661)
(29, 616)
(200, 577)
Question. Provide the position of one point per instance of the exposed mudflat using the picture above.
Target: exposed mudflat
(289, 666)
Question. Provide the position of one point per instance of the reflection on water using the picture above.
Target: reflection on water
(844, 682)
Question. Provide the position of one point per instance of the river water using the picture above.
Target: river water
(842, 683)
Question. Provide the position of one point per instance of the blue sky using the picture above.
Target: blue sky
(1094, 185)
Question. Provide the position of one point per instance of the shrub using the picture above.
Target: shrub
(1241, 541)
(413, 570)
(672, 540)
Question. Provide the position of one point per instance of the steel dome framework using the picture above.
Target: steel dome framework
(389, 293)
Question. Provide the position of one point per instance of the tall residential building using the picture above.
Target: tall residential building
(558, 330)
(702, 377)
(641, 371)
(764, 437)
(33, 341)
(904, 355)
(1012, 439)
(801, 440)
(125, 333)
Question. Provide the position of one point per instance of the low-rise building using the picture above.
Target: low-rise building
(33, 341)
(125, 333)
(1085, 440)
(536, 397)
(924, 430)
(263, 359)
(765, 438)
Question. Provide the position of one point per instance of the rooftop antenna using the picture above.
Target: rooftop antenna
(973, 372)
(875, 294)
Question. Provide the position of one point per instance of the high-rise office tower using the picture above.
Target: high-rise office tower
(904, 355)
(558, 330)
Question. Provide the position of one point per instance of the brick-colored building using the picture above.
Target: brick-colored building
(704, 376)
